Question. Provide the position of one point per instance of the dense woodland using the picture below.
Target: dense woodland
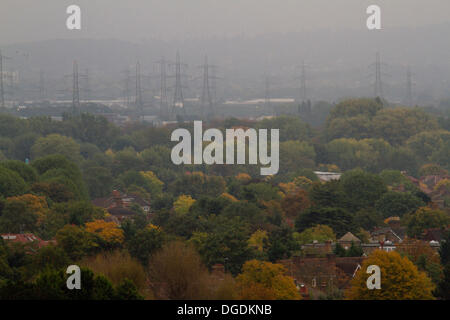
(50, 171)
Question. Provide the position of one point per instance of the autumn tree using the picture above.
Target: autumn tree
(266, 281)
(17, 216)
(400, 279)
(118, 266)
(182, 204)
(423, 256)
(109, 232)
(177, 273)
(295, 203)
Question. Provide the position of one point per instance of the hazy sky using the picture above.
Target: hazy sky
(26, 20)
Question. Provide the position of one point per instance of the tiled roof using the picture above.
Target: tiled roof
(349, 237)
(25, 238)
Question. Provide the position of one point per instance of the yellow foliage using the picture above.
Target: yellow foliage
(302, 182)
(443, 184)
(400, 279)
(151, 226)
(243, 177)
(266, 280)
(107, 231)
(288, 188)
(182, 204)
(228, 196)
(37, 205)
(151, 176)
(257, 239)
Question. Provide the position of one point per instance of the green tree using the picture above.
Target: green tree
(56, 144)
(11, 183)
(28, 173)
(336, 218)
(17, 217)
(425, 218)
(145, 243)
(321, 233)
(226, 243)
(76, 242)
(296, 155)
(362, 189)
(397, 204)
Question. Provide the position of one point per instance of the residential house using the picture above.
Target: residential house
(119, 204)
(347, 239)
(32, 242)
(321, 273)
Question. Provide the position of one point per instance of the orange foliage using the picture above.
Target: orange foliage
(294, 203)
(107, 231)
(37, 204)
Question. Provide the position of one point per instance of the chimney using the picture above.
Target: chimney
(328, 246)
(117, 198)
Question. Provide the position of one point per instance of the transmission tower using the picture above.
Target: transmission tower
(75, 89)
(409, 84)
(163, 101)
(206, 102)
(303, 97)
(178, 99)
(2, 88)
(138, 101)
(12, 87)
(378, 83)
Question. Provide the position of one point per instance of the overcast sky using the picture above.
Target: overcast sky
(28, 20)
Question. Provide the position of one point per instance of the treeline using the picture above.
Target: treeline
(229, 215)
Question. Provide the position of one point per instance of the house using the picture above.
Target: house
(321, 273)
(384, 235)
(317, 248)
(347, 240)
(119, 204)
(32, 242)
(434, 234)
(327, 176)
(387, 246)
